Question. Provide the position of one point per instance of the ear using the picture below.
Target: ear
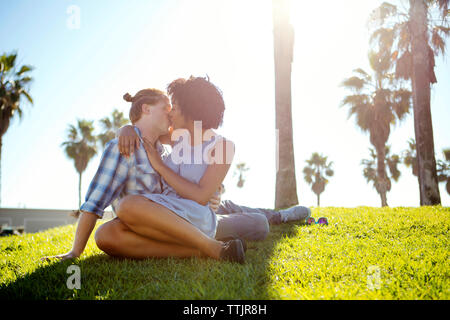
(145, 108)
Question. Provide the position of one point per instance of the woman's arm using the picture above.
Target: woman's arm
(208, 184)
(102, 190)
(86, 224)
(214, 202)
(128, 140)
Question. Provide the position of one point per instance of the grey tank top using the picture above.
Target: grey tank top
(188, 161)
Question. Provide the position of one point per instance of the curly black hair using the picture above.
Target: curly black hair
(198, 100)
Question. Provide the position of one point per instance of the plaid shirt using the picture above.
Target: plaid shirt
(118, 176)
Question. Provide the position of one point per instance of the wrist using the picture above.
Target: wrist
(159, 166)
(75, 253)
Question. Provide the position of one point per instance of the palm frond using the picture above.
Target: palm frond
(446, 154)
(80, 145)
(111, 125)
(317, 168)
(12, 88)
(437, 42)
(443, 8)
(383, 38)
(359, 107)
(380, 61)
(354, 83)
(363, 73)
(392, 163)
(8, 61)
(403, 66)
(402, 103)
(381, 13)
(27, 95)
(23, 69)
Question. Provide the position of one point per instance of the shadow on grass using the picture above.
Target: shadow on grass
(103, 277)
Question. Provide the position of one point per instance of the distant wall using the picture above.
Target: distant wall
(35, 220)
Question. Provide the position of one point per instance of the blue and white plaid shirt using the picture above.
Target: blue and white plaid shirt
(118, 176)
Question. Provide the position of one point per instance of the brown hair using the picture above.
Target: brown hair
(145, 96)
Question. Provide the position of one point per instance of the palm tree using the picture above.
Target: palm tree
(286, 185)
(443, 166)
(318, 168)
(377, 102)
(443, 169)
(241, 168)
(14, 83)
(410, 157)
(110, 126)
(418, 37)
(370, 172)
(81, 147)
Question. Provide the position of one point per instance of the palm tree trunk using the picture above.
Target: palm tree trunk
(383, 199)
(286, 185)
(381, 174)
(79, 190)
(318, 200)
(1, 170)
(423, 127)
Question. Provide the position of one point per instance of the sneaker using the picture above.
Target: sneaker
(295, 213)
(226, 239)
(233, 251)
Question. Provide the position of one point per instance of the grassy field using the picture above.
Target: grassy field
(364, 253)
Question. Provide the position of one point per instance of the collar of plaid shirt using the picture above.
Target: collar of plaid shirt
(141, 155)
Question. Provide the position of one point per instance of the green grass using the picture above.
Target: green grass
(407, 247)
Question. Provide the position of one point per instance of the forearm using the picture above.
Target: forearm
(86, 224)
(184, 187)
(122, 129)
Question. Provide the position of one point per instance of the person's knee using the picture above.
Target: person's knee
(102, 237)
(107, 238)
(125, 209)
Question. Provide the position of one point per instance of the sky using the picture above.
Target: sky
(87, 54)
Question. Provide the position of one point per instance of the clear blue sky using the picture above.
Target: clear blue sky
(124, 46)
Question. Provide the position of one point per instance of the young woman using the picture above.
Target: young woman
(178, 222)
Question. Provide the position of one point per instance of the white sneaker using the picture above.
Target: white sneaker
(295, 213)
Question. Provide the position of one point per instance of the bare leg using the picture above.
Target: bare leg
(116, 239)
(143, 216)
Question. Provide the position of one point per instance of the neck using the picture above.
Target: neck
(148, 133)
(196, 132)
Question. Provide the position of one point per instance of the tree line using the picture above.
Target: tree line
(82, 144)
(402, 60)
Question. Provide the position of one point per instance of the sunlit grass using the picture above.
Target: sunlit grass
(364, 253)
